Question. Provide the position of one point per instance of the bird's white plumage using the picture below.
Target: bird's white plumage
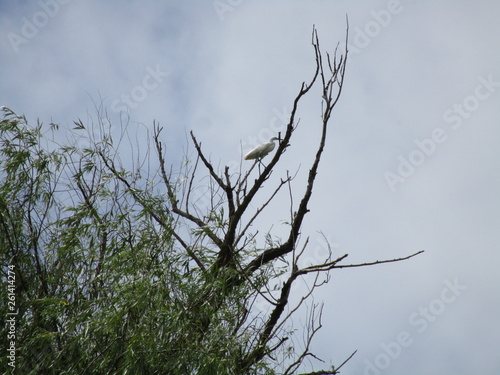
(261, 150)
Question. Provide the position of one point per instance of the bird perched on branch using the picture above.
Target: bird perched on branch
(261, 150)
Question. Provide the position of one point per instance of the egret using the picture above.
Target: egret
(261, 150)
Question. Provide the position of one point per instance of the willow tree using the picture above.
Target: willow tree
(123, 270)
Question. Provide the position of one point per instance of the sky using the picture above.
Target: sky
(411, 161)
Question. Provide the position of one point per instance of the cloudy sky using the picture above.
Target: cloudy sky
(412, 160)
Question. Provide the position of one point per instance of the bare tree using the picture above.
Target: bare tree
(221, 228)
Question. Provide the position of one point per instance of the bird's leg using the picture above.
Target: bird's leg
(261, 163)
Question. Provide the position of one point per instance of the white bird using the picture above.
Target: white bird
(261, 150)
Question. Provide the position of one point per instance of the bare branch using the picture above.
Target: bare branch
(343, 363)
(208, 164)
(377, 262)
(260, 209)
(172, 197)
(313, 330)
(110, 165)
(337, 76)
(190, 187)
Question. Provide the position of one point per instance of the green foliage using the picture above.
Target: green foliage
(101, 287)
